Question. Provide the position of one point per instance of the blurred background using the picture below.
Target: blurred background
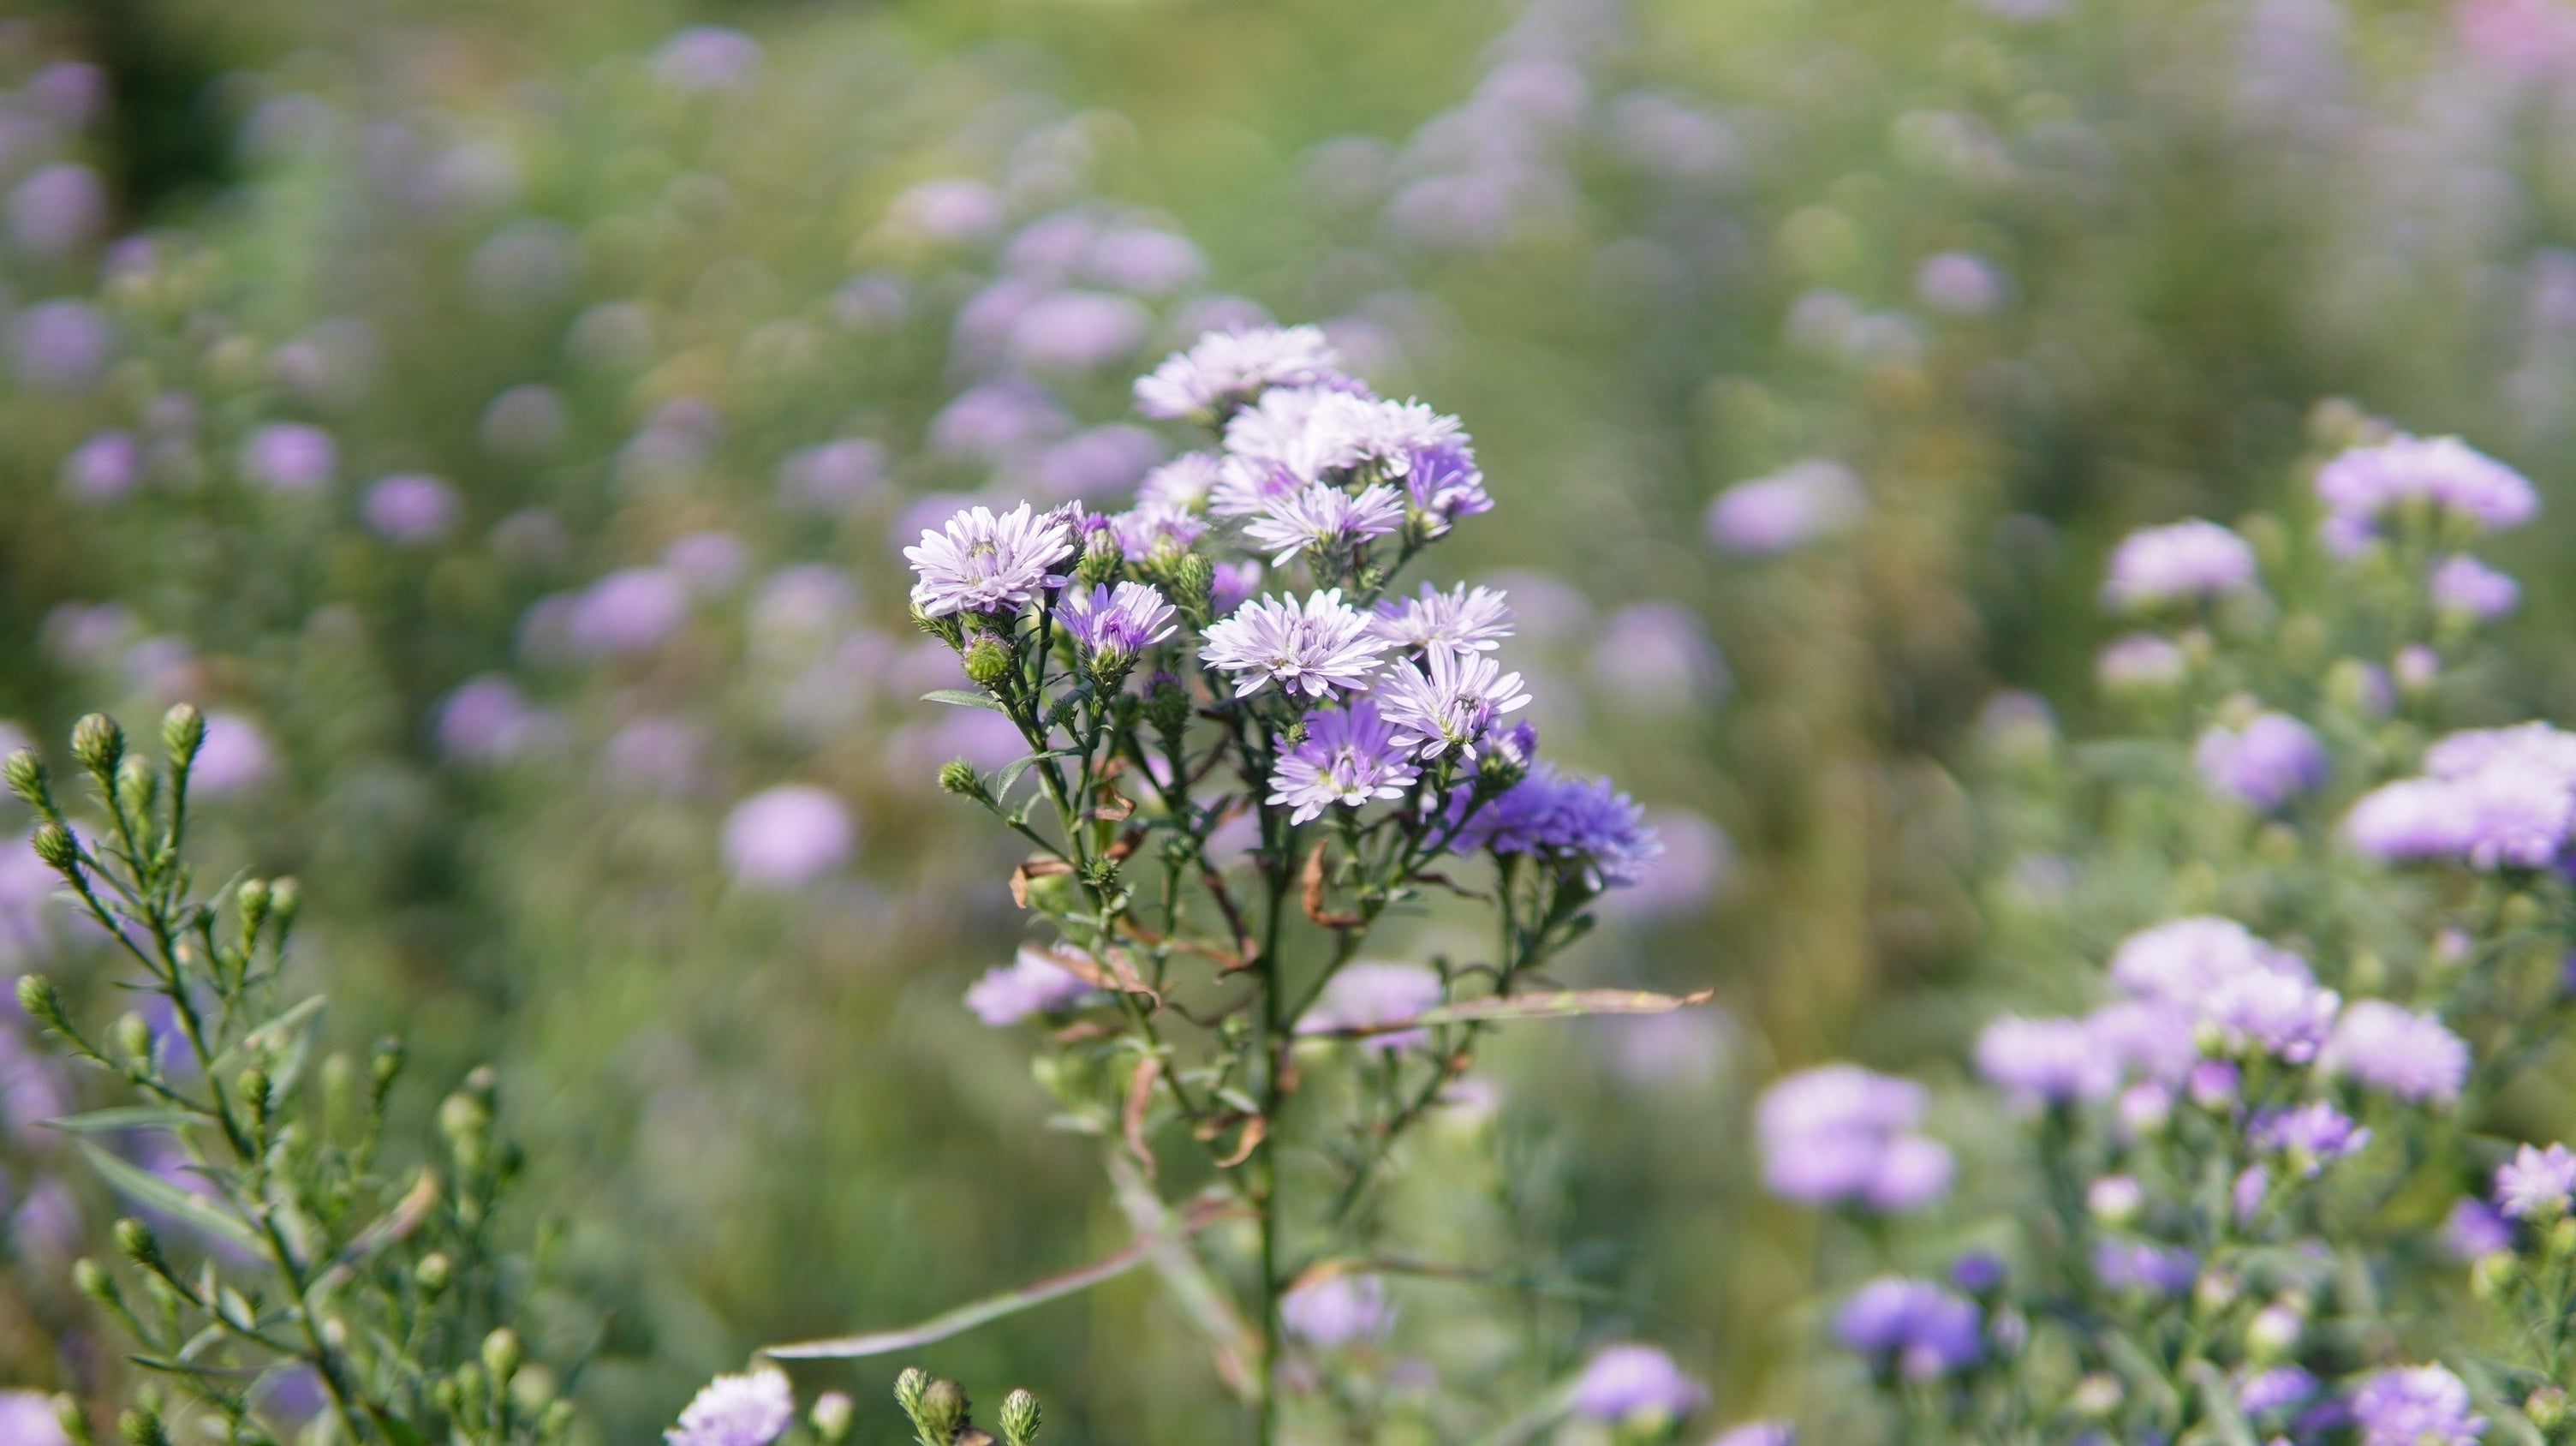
(505, 418)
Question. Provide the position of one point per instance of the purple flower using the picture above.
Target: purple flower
(787, 835)
(2365, 483)
(2410, 1056)
(1113, 625)
(1231, 584)
(1349, 756)
(1449, 700)
(1961, 283)
(2145, 1266)
(1225, 369)
(1336, 1310)
(833, 477)
(997, 419)
(234, 756)
(1308, 648)
(1657, 655)
(987, 564)
(1628, 1380)
(707, 57)
(2180, 962)
(2186, 561)
(711, 562)
(2271, 758)
(746, 1410)
(103, 468)
(1182, 483)
(290, 457)
(2494, 797)
(1363, 995)
(2536, 1182)
(951, 209)
(1758, 1433)
(1459, 620)
(1150, 526)
(1696, 860)
(2140, 662)
(27, 1419)
(487, 721)
(57, 209)
(2055, 1060)
(632, 610)
(1032, 983)
(60, 346)
(411, 508)
(2314, 1135)
(2466, 586)
(1573, 820)
(1144, 260)
(2281, 1014)
(2475, 1229)
(1789, 509)
(1443, 483)
(2415, 1406)
(1324, 519)
(2277, 1389)
(1832, 1134)
(1920, 1329)
(1078, 331)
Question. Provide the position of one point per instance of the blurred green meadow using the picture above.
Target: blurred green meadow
(692, 329)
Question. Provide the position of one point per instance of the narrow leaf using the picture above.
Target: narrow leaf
(962, 698)
(153, 1192)
(123, 1117)
(1554, 1004)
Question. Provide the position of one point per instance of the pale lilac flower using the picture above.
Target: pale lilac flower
(1323, 519)
(834, 476)
(1362, 995)
(2494, 797)
(1225, 369)
(61, 345)
(1828, 1133)
(1147, 526)
(746, 1410)
(103, 468)
(1961, 283)
(2140, 662)
(1115, 624)
(791, 834)
(1802, 503)
(1758, 1433)
(2415, 1406)
(27, 1419)
(1349, 756)
(1032, 983)
(2149, 1039)
(1459, 620)
(1336, 1310)
(2466, 586)
(987, 564)
(1145, 260)
(631, 610)
(1308, 648)
(2475, 1229)
(2052, 1060)
(1912, 1326)
(2536, 1182)
(2283, 1015)
(1078, 330)
(1449, 700)
(1309, 434)
(950, 209)
(2181, 961)
(2145, 1266)
(411, 508)
(2272, 758)
(1631, 1380)
(290, 457)
(2187, 561)
(2315, 1134)
(2364, 483)
(1697, 860)
(2277, 1389)
(2389, 1048)
(1182, 483)
(234, 756)
(1250, 486)
(57, 209)
(487, 721)
(707, 57)
(1231, 584)
(996, 420)
(712, 562)
(1657, 655)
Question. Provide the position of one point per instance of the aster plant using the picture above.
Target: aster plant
(2255, 1183)
(285, 1277)
(1245, 752)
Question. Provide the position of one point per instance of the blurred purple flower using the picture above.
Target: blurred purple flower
(1697, 861)
(989, 422)
(60, 346)
(1336, 1310)
(2390, 1048)
(412, 508)
(2363, 484)
(1961, 283)
(103, 468)
(2475, 1229)
(1364, 994)
(1799, 504)
(2141, 1265)
(235, 756)
(2316, 1134)
(1101, 460)
(1031, 984)
(1920, 1329)
(1657, 655)
(488, 721)
(290, 457)
(1145, 260)
(788, 835)
(2051, 1060)
(2138, 662)
(2464, 585)
(2491, 797)
(57, 209)
(833, 477)
(27, 1419)
(707, 57)
(1078, 331)
(1627, 1380)
(2415, 1406)
(746, 1410)
(632, 610)
(2536, 1182)
(2273, 757)
(1840, 1133)
(952, 209)
(711, 562)
(655, 755)
(2186, 561)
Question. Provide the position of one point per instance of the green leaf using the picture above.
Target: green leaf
(153, 1192)
(398, 1431)
(275, 1037)
(961, 698)
(124, 1117)
(1553, 1004)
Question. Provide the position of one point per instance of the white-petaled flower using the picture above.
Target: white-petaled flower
(1308, 648)
(1183, 482)
(1226, 367)
(983, 563)
(1391, 434)
(1461, 620)
(1323, 517)
(1309, 431)
(1451, 705)
(1250, 486)
(746, 1410)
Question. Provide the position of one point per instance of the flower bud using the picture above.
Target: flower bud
(25, 774)
(987, 661)
(43, 1003)
(433, 1273)
(285, 897)
(91, 1279)
(2562, 1239)
(943, 1410)
(2115, 1200)
(832, 1415)
(1100, 560)
(2547, 1407)
(183, 732)
(131, 1036)
(135, 1240)
(947, 628)
(501, 1354)
(462, 1117)
(2273, 1331)
(1020, 1417)
(554, 1421)
(385, 1061)
(73, 1421)
(253, 1085)
(2096, 1396)
(98, 743)
(2493, 1274)
(2416, 669)
(908, 1389)
(142, 1427)
(252, 899)
(959, 777)
(54, 844)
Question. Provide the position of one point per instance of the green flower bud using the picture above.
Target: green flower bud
(253, 1085)
(2493, 1273)
(833, 1413)
(2547, 1407)
(385, 1061)
(433, 1273)
(74, 1421)
(54, 844)
(1167, 703)
(447, 1397)
(463, 1117)
(131, 1036)
(554, 1421)
(98, 743)
(501, 1354)
(1020, 1417)
(285, 897)
(943, 1411)
(987, 661)
(25, 774)
(908, 1389)
(183, 732)
(91, 1279)
(142, 1427)
(43, 1003)
(947, 628)
(959, 777)
(252, 899)
(135, 1240)
(1189, 578)
(1100, 560)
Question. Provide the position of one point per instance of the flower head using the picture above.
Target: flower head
(1449, 700)
(1322, 518)
(2181, 961)
(1149, 526)
(2466, 586)
(746, 1410)
(1115, 624)
(2415, 1406)
(2046, 1059)
(2390, 1048)
(2186, 561)
(1336, 1310)
(1583, 822)
(1917, 1327)
(1630, 1380)
(1183, 482)
(1843, 1133)
(2315, 1134)
(2363, 484)
(1800, 504)
(1364, 995)
(2491, 797)
(2536, 1182)
(2285, 1015)
(787, 835)
(1032, 983)
(1309, 648)
(1349, 756)
(1459, 620)
(987, 564)
(2265, 763)
(1225, 369)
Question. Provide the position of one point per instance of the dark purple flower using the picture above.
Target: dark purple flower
(2475, 1229)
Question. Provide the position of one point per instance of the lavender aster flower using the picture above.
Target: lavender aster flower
(1758, 1433)
(787, 835)
(1225, 369)
(1572, 820)
(1449, 700)
(988, 564)
(1324, 518)
(2410, 1056)
(1032, 983)
(2141, 1265)
(2277, 1389)
(1459, 620)
(2283, 1015)
(2180, 962)
(1363, 995)
(2192, 560)
(2494, 797)
(1184, 482)
(411, 509)
(1292, 436)
(1913, 1325)
(1149, 527)
(2140, 662)
(1622, 1381)
(27, 1419)
(2475, 1229)
(1443, 484)
(2273, 757)
(103, 468)
(1113, 625)
(1789, 509)
(2315, 1134)
(631, 610)
(2466, 586)
(1251, 486)
(2053, 1060)
(1231, 584)
(2536, 1182)
(746, 1410)
(1828, 1135)
(2415, 1406)
(1349, 756)
(290, 457)
(1336, 1310)
(1311, 648)
(2367, 482)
